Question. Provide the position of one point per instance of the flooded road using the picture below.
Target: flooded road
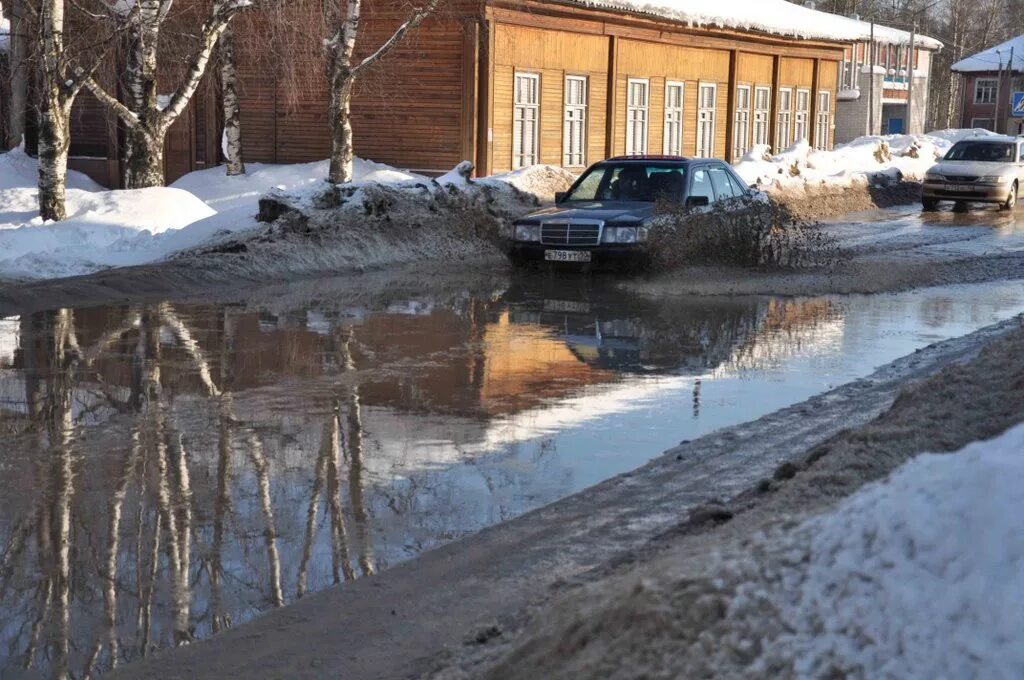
(169, 470)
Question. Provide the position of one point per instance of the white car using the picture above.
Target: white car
(980, 170)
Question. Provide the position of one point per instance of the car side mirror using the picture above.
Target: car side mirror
(560, 196)
(697, 202)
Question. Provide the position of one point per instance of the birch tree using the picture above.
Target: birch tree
(148, 116)
(343, 72)
(232, 142)
(61, 83)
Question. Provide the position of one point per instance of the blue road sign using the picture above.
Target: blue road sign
(1017, 105)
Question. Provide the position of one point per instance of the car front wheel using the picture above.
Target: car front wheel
(929, 204)
(1011, 200)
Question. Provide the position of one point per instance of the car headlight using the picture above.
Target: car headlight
(933, 177)
(641, 234)
(993, 179)
(626, 235)
(528, 232)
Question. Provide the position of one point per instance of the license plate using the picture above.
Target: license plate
(959, 187)
(567, 255)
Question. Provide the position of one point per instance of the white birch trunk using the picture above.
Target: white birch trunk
(232, 110)
(55, 115)
(343, 76)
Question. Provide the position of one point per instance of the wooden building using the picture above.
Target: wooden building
(510, 83)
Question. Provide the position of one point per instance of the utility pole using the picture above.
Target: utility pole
(999, 93)
(871, 82)
(1000, 109)
(910, 78)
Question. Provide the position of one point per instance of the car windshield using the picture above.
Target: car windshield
(630, 182)
(993, 152)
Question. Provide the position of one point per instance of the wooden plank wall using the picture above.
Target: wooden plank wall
(552, 55)
(828, 79)
(660, 63)
(407, 111)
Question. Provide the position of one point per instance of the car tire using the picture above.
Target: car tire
(1011, 200)
(929, 204)
(959, 206)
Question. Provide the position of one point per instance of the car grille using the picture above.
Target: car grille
(961, 178)
(570, 233)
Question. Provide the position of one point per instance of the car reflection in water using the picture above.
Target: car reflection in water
(171, 470)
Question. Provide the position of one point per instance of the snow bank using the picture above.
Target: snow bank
(103, 228)
(921, 575)
(777, 17)
(226, 193)
(120, 228)
(800, 166)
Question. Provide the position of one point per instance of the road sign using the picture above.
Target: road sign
(1017, 105)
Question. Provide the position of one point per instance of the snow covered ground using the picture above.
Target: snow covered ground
(800, 166)
(920, 575)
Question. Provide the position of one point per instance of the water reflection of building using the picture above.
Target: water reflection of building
(171, 470)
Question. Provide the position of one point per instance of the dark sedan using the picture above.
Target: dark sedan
(607, 213)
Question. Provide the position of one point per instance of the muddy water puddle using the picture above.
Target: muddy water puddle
(170, 470)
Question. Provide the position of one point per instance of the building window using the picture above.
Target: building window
(706, 112)
(637, 116)
(673, 118)
(985, 90)
(574, 127)
(741, 131)
(982, 124)
(803, 111)
(785, 135)
(824, 122)
(525, 119)
(762, 112)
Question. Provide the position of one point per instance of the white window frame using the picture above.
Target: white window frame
(574, 121)
(673, 130)
(742, 125)
(522, 156)
(823, 124)
(991, 86)
(801, 116)
(784, 119)
(988, 126)
(706, 120)
(762, 117)
(638, 117)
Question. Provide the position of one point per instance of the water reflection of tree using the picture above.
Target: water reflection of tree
(150, 545)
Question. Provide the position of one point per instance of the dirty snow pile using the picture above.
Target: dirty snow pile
(918, 576)
(858, 162)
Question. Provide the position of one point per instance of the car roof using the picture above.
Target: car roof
(647, 158)
(1002, 139)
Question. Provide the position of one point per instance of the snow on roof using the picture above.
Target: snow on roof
(777, 17)
(990, 59)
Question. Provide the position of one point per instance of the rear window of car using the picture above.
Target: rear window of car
(995, 152)
(630, 182)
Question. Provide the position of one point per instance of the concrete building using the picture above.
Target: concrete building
(874, 90)
(993, 82)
